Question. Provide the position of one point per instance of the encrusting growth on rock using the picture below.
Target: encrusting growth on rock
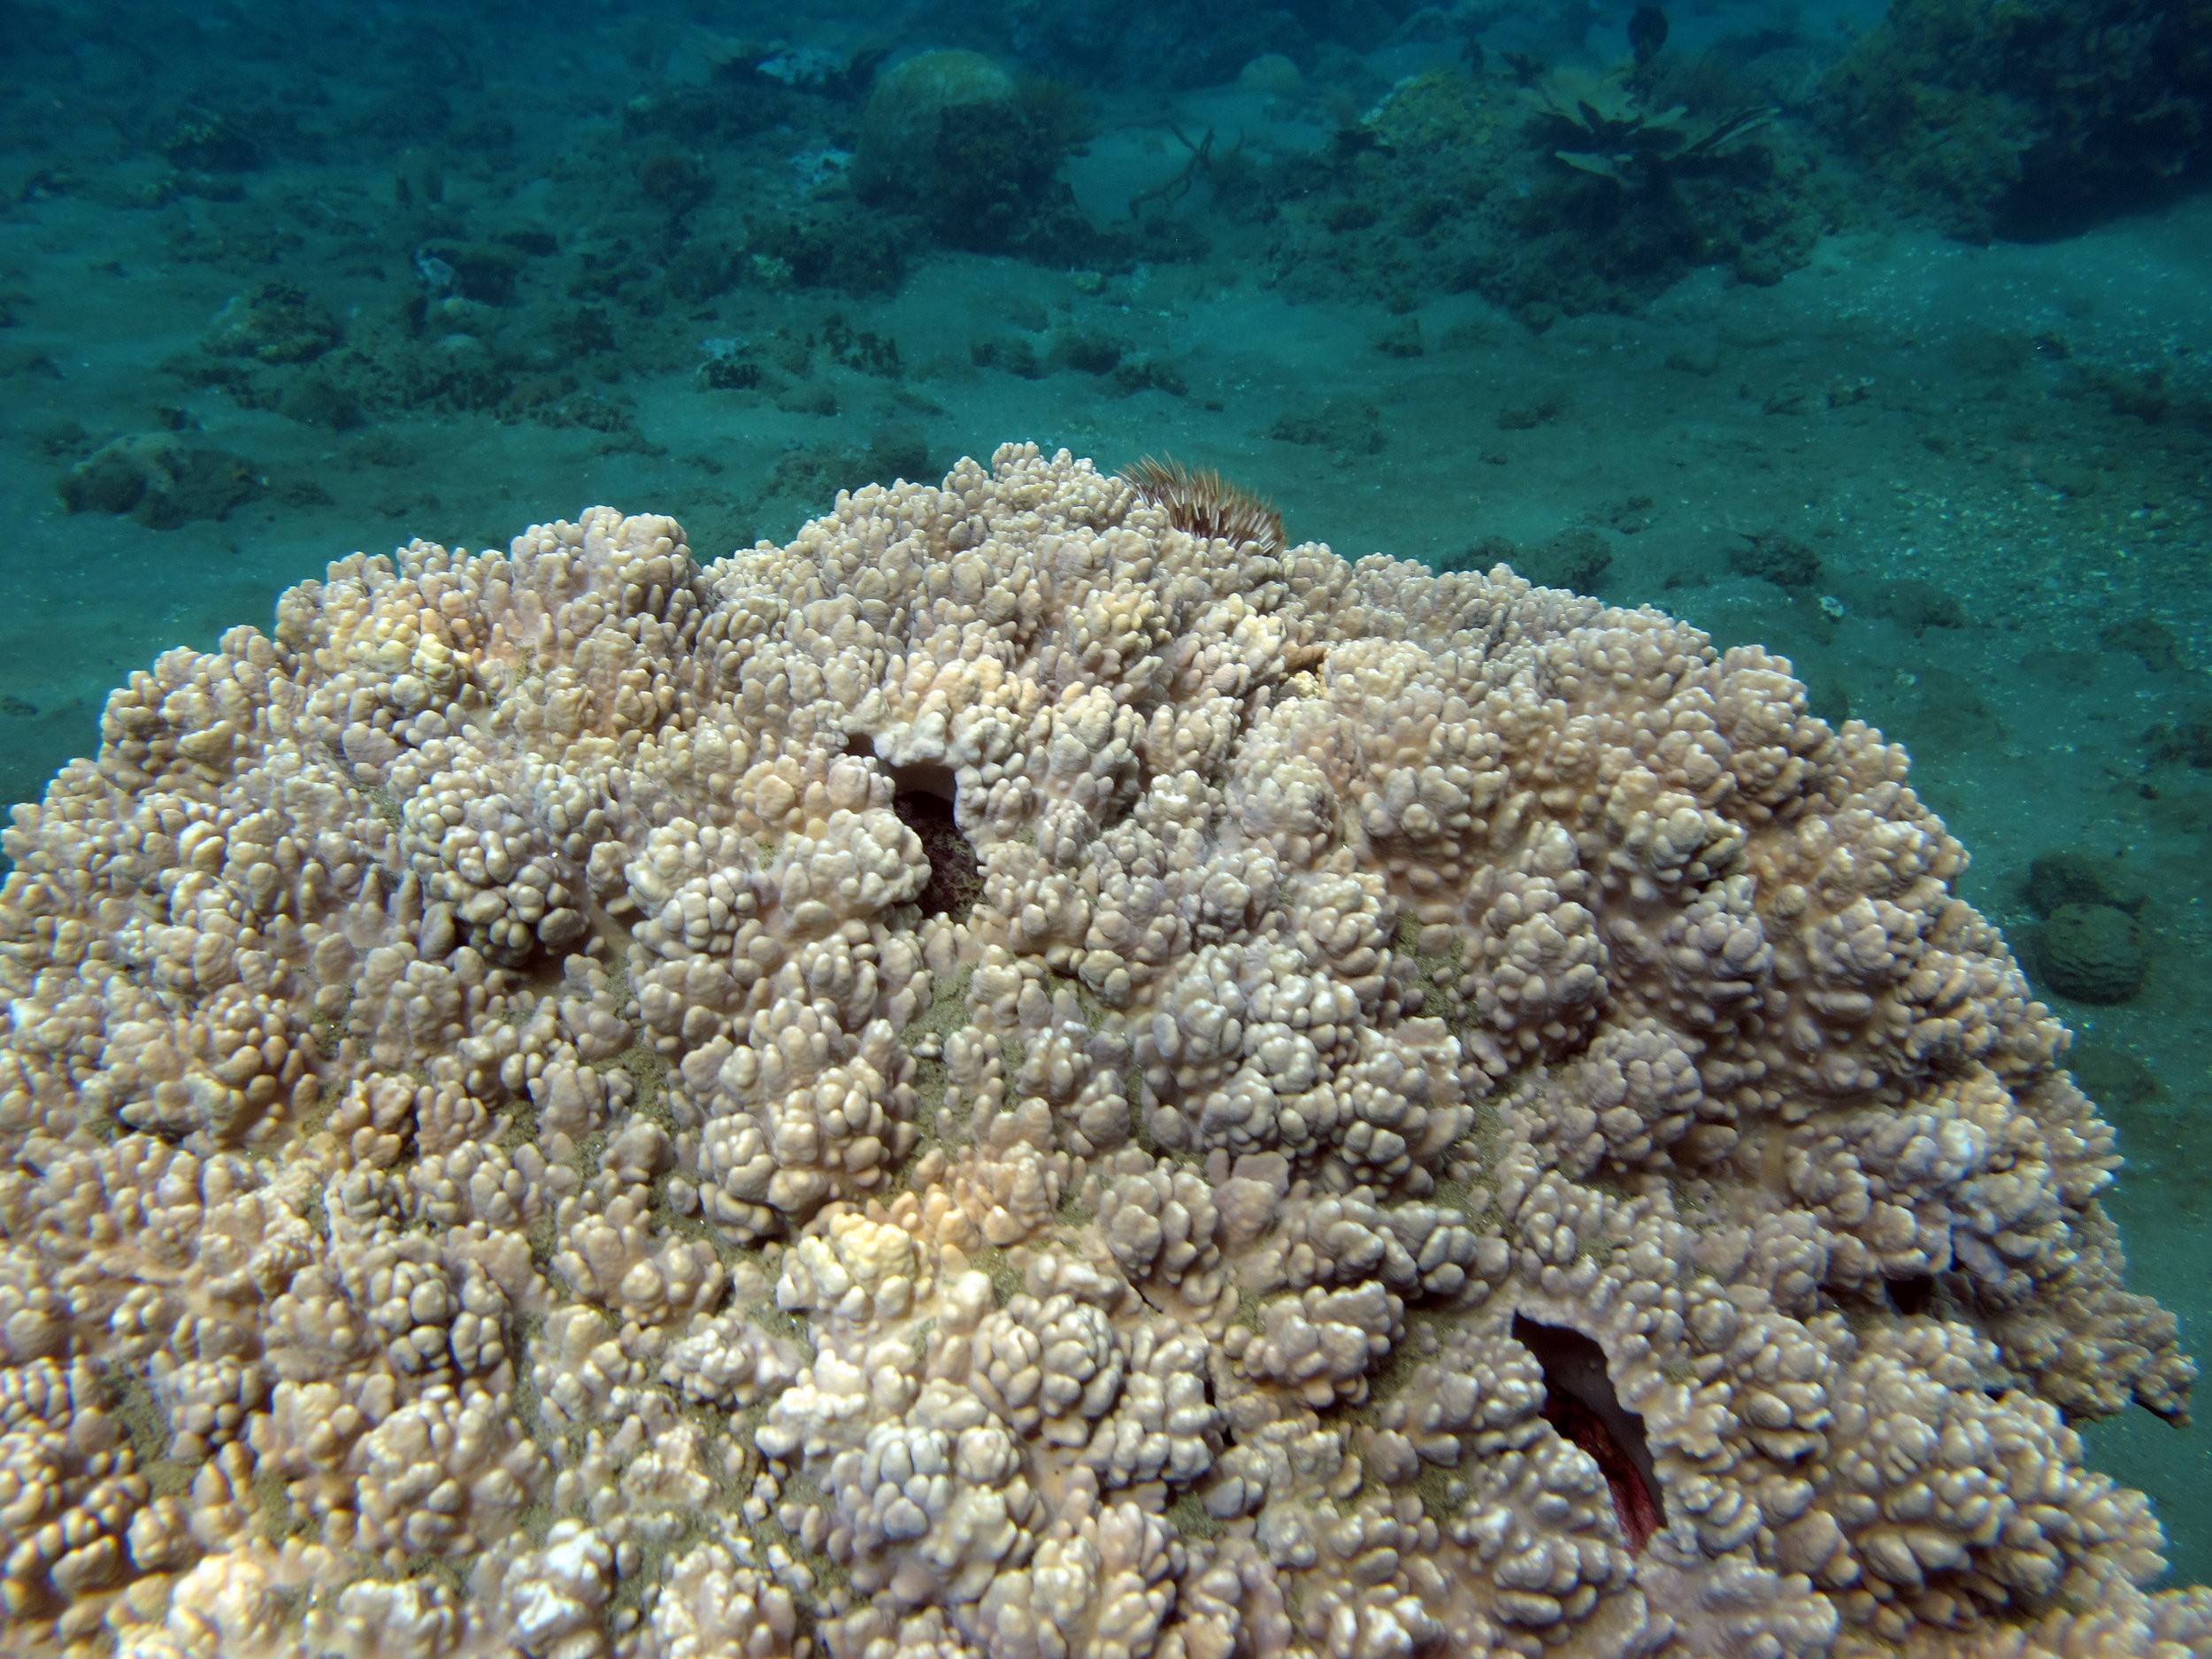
(1436, 1119)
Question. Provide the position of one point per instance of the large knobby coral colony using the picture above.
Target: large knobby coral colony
(1006, 1080)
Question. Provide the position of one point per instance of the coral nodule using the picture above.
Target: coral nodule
(1353, 1113)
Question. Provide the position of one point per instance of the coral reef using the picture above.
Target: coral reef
(1581, 193)
(1605, 127)
(978, 150)
(1433, 1118)
(1158, 42)
(162, 479)
(2028, 118)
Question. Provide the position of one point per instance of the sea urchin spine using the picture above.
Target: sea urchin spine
(1202, 501)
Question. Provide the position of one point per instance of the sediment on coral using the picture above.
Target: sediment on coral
(1005, 1079)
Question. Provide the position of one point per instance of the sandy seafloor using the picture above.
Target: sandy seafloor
(1915, 411)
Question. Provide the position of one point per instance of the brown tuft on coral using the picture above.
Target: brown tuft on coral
(1202, 501)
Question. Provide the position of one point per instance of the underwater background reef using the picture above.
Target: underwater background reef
(1875, 338)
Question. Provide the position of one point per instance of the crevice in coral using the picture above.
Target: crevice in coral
(956, 880)
(1580, 1403)
(926, 778)
(1912, 1294)
(925, 794)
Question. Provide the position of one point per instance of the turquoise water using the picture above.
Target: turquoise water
(1720, 331)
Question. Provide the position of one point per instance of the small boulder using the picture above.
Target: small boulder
(955, 137)
(278, 324)
(160, 481)
(2092, 953)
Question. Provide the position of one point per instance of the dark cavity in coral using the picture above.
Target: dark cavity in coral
(924, 794)
(1912, 1293)
(956, 881)
(925, 805)
(1580, 1403)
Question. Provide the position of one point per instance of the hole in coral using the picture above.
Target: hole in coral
(1580, 1403)
(955, 880)
(1912, 1294)
(925, 777)
(922, 795)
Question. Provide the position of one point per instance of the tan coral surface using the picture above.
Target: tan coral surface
(1445, 1119)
